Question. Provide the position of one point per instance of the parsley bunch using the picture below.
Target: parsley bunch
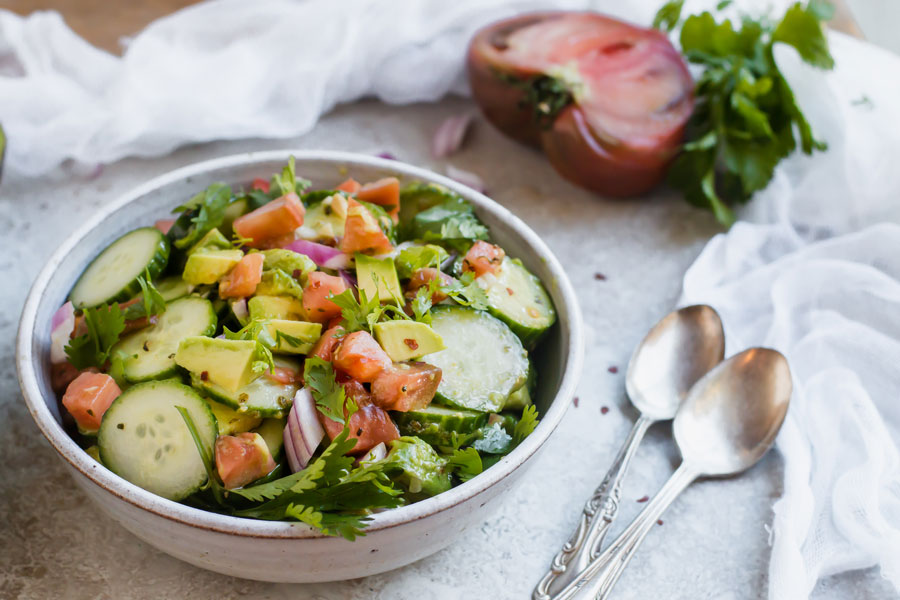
(745, 117)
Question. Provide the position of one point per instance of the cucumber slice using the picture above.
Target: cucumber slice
(517, 298)
(264, 396)
(522, 397)
(112, 276)
(272, 431)
(173, 288)
(436, 424)
(150, 351)
(144, 439)
(484, 361)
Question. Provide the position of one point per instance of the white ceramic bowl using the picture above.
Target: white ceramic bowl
(281, 551)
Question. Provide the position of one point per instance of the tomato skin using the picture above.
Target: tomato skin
(324, 347)
(276, 219)
(483, 257)
(164, 225)
(319, 286)
(369, 426)
(622, 131)
(361, 357)
(406, 387)
(242, 459)
(260, 184)
(88, 396)
(243, 278)
(362, 233)
(422, 277)
(384, 192)
(350, 185)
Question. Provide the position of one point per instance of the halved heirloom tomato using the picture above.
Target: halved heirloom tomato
(607, 101)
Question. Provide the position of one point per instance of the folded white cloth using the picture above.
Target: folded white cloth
(810, 273)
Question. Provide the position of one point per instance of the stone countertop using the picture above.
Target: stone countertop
(712, 542)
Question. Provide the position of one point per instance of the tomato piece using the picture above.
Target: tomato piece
(325, 345)
(360, 356)
(242, 280)
(384, 192)
(88, 397)
(406, 386)
(284, 375)
(164, 225)
(362, 233)
(61, 375)
(350, 185)
(273, 220)
(316, 303)
(422, 277)
(260, 184)
(626, 94)
(369, 426)
(242, 459)
(482, 258)
(354, 390)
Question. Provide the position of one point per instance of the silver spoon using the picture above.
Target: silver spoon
(728, 421)
(679, 350)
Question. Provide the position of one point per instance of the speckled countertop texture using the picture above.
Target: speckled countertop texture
(713, 540)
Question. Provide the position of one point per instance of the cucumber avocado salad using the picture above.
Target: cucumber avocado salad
(286, 354)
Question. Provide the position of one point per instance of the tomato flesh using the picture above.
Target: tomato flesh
(423, 277)
(360, 356)
(369, 426)
(406, 387)
(243, 278)
(325, 345)
(276, 219)
(242, 459)
(483, 257)
(362, 233)
(88, 397)
(384, 192)
(319, 287)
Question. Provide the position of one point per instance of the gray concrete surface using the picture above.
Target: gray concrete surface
(712, 543)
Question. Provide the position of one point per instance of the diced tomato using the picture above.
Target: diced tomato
(360, 356)
(362, 233)
(334, 322)
(242, 458)
(351, 186)
(369, 426)
(483, 258)
(260, 184)
(406, 386)
(243, 278)
(284, 375)
(384, 192)
(88, 397)
(354, 390)
(319, 286)
(324, 347)
(423, 277)
(64, 373)
(164, 225)
(273, 220)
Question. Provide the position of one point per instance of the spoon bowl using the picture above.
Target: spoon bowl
(731, 416)
(677, 352)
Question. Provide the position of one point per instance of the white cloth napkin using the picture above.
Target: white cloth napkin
(811, 272)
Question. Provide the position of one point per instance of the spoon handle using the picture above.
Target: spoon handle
(598, 514)
(597, 580)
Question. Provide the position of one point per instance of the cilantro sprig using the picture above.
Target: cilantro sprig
(331, 399)
(204, 212)
(746, 115)
(104, 323)
(467, 292)
(363, 314)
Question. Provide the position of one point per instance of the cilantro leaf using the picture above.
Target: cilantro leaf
(465, 464)
(287, 180)
(152, 302)
(494, 440)
(105, 324)
(745, 115)
(355, 313)
(256, 331)
(451, 220)
(421, 303)
(409, 260)
(206, 211)
(525, 425)
(329, 395)
(467, 292)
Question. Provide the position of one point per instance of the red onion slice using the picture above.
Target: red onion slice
(322, 255)
(449, 136)
(303, 432)
(61, 327)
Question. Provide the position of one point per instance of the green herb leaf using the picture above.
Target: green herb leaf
(668, 16)
(218, 490)
(494, 440)
(287, 181)
(105, 324)
(329, 395)
(421, 303)
(409, 260)
(465, 464)
(208, 210)
(526, 424)
(467, 292)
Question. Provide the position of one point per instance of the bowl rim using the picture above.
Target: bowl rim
(81, 462)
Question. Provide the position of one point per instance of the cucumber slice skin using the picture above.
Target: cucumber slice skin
(528, 310)
(173, 288)
(144, 439)
(483, 363)
(85, 292)
(436, 424)
(148, 350)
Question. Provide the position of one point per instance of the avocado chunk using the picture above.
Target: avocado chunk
(272, 431)
(275, 307)
(406, 340)
(293, 263)
(378, 277)
(276, 282)
(228, 363)
(213, 240)
(293, 337)
(231, 421)
(207, 266)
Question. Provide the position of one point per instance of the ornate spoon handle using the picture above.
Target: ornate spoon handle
(597, 580)
(598, 514)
